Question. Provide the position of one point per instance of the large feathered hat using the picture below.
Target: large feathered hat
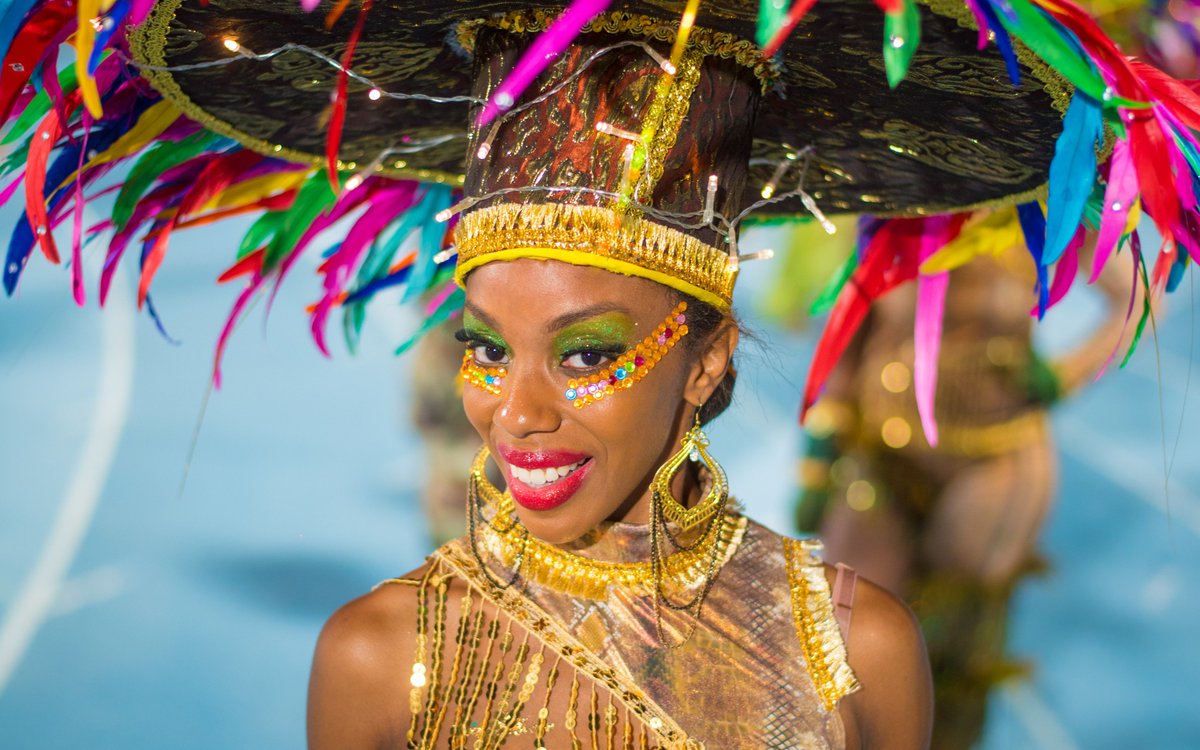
(638, 137)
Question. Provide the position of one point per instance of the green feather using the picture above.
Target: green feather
(449, 307)
(901, 35)
(150, 166)
(771, 15)
(824, 301)
(260, 232)
(315, 196)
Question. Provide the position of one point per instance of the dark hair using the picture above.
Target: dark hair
(703, 320)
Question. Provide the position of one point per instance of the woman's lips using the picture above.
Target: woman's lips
(542, 480)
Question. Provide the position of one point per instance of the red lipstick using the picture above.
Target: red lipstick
(548, 496)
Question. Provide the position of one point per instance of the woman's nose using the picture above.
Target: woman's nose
(529, 402)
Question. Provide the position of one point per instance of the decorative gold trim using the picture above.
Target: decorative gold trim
(548, 630)
(709, 43)
(672, 100)
(575, 575)
(594, 236)
(147, 43)
(812, 608)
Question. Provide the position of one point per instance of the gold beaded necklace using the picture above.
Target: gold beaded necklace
(563, 571)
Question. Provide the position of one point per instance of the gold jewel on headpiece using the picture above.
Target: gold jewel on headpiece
(547, 565)
(633, 365)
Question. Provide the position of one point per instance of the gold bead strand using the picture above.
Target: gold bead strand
(461, 729)
(435, 670)
(466, 606)
(489, 692)
(464, 684)
(572, 718)
(418, 679)
(496, 730)
(543, 724)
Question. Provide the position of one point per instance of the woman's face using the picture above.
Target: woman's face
(546, 323)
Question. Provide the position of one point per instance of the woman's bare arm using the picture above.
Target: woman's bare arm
(894, 708)
(358, 690)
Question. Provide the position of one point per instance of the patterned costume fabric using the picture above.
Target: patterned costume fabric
(764, 666)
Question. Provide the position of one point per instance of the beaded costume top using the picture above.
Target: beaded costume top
(556, 661)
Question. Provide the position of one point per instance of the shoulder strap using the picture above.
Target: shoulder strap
(843, 597)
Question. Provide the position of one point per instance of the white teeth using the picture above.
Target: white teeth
(542, 477)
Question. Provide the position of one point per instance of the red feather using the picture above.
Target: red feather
(215, 178)
(27, 50)
(337, 121)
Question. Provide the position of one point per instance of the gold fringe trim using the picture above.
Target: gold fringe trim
(672, 100)
(708, 42)
(599, 237)
(669, 735)
(812, 607)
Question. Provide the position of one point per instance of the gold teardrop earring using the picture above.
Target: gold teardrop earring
(694, 448)
(664, 508)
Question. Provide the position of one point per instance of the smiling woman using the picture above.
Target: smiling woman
(609, 591)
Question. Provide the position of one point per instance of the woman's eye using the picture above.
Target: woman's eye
(488, 354)
(586, 360)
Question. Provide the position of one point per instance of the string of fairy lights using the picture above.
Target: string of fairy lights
(708, 218)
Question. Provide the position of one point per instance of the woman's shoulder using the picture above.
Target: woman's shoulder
(872, 665)
(358, 688)
(894, 707)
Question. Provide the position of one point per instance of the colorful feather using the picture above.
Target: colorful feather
(901, 35)
(1119, 196)
(549, 44)
(1072, 172)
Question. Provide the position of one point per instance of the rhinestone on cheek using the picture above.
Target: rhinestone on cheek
(623, 373)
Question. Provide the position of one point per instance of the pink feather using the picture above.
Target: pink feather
(540, 54)
(1120, 192)
(338, 267)
(927, 328)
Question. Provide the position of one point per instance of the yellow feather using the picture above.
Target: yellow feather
(992, 235)
(255, 189)
(85, 39)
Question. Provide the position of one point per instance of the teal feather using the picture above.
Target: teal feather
(432, 232)
(1072, 173)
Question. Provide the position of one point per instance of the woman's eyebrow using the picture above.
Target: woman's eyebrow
(575, 316)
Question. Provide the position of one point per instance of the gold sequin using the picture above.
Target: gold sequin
(594, 236)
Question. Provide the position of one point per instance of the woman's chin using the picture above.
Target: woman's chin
(555, 527)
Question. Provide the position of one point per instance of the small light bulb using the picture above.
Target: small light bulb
(443, 216)
(354, 182)
(374, 95)
(232, 45)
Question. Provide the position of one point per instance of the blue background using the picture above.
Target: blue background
(156, 597)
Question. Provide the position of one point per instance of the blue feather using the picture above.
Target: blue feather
(1033, 226)
(158, 323)
(1177, 271)
(112, 23)
(1072, 173)
(1003, 43)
